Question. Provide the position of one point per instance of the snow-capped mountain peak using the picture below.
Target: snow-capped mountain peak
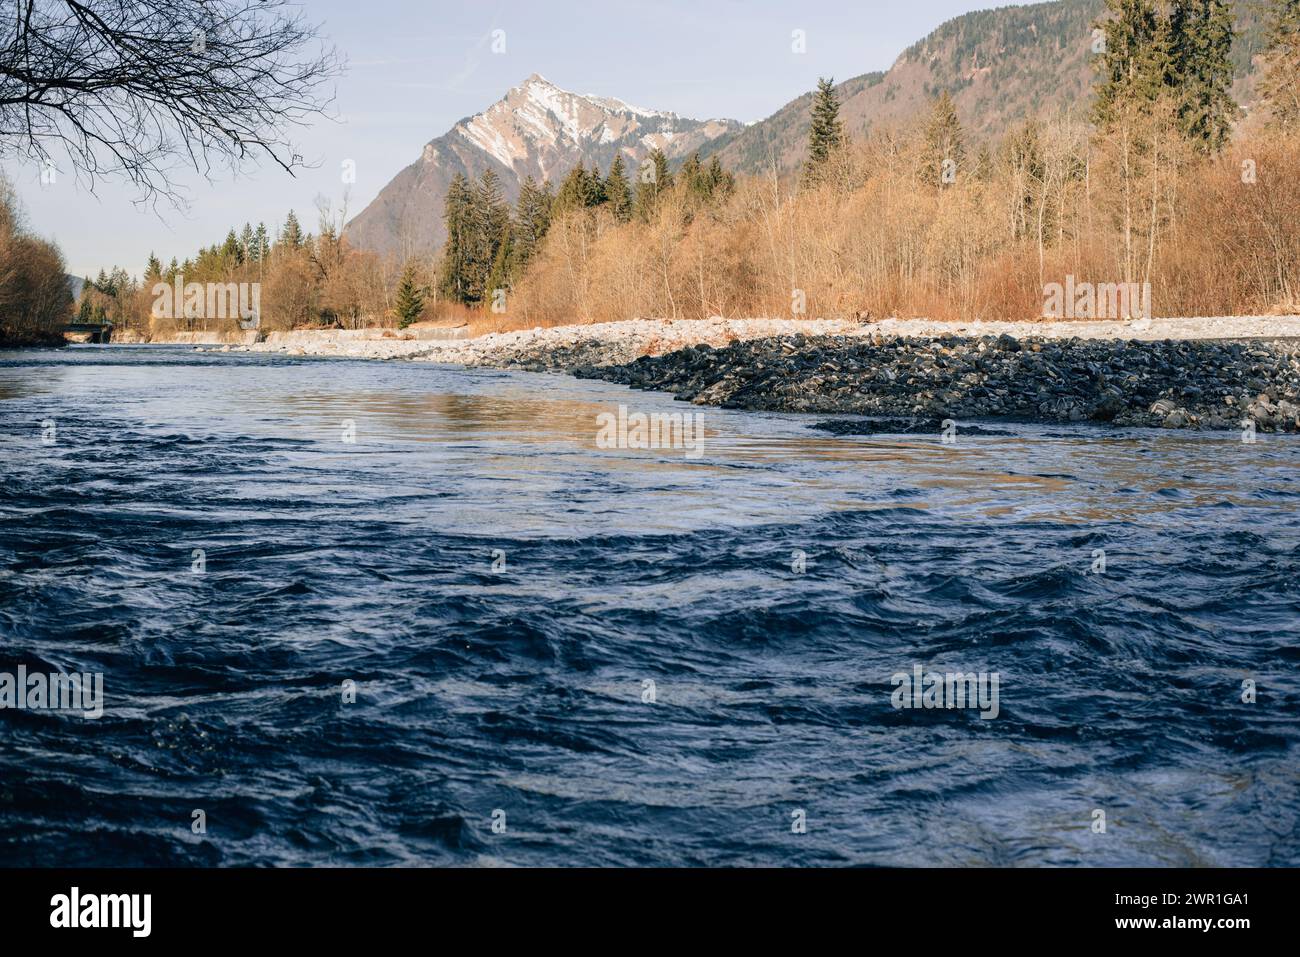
(537, 129)
(537, 115)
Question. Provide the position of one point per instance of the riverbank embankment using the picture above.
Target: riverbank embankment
(1209, 373)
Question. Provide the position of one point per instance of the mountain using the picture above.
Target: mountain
(536, 130)
(1000, 66)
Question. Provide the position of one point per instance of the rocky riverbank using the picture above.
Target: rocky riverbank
(1192, 384)
(1204, 373)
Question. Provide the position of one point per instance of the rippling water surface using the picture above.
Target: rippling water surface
(502, 592)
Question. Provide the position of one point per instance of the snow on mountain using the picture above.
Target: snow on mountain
(537, 129)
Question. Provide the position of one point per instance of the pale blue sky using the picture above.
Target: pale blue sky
(415, 68)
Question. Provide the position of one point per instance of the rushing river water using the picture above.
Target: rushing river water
(624, 656)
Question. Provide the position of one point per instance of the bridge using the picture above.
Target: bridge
(100, 332)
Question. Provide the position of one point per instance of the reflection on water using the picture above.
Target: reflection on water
(501, 589)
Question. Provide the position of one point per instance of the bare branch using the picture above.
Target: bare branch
(137, 89)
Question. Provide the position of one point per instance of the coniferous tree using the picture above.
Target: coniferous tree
(1199, 69)
(153, 269)
(231, 252)
(489, 218)
(532, 220)
(945, 145)
(581, 189)
(1279, 86)
(454, 280)
(705, 184)
(653, 180)
(826, 133)
(721, 183)
(291, 235)
(246, 242)
(499, 278)
(1134, 65)
(617, 191)
(1136, 113)
(663, 177)
(573, 190)
(261, 243)
(595, 187)
(408, 305)
(691, 177)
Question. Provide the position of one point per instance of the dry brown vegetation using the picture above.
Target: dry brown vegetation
(35, 300)
(875, 238)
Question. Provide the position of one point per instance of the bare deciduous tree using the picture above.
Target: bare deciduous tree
(140, 88)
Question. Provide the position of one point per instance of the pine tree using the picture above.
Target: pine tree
(86, 313)
(291, 234)
(231, 253)
(261, 243)
(581, 189)
(153, 269)
(489, 218)
(499, 277)
(691, 177)
(1278, 86)
(705, 184)
(1199, 69)
(653, 180)
(945, 146)
(826, 133)
(721, 183)
(246, 243)
(408, 305)
(595, 187)
(1134, 67)
(617, 191)
(532, 220)
(454, 280)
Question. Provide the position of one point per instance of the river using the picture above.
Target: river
(353, 612)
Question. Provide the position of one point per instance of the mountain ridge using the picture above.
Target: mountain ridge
(1000, 65)
(537, 129)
